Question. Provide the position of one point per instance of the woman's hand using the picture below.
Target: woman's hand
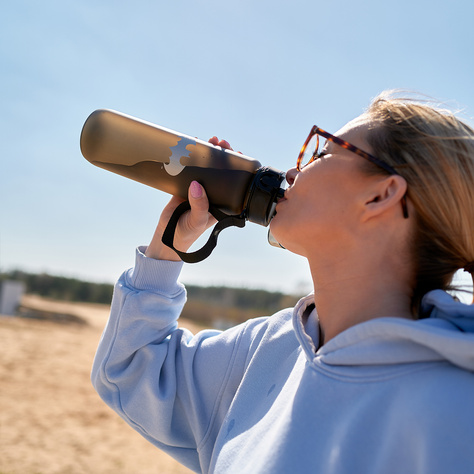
(190, 225)
(222, 143)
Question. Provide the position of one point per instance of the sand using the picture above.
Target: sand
(51, 419)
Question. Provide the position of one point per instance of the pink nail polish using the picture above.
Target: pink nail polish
(196, 190)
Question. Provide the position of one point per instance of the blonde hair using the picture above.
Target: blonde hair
(434, 151)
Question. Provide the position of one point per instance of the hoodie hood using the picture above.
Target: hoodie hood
(446, 334)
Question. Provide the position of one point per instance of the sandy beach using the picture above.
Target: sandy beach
(51, 419)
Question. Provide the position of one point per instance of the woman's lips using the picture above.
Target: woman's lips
(283, 198)
(280, 200)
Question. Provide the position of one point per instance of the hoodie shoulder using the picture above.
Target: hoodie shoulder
(439, 398)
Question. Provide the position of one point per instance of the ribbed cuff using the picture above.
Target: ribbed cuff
(159, 276)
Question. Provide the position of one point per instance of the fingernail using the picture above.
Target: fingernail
(196, 190)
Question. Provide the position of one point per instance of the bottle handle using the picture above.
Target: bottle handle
(224, 221)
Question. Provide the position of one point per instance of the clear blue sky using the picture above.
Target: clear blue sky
(258, 73)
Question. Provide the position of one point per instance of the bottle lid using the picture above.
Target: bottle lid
(263, 195)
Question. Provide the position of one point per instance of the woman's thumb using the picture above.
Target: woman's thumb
(196, 190)
(199, 215)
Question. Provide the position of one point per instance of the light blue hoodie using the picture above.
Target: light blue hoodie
(385, 396)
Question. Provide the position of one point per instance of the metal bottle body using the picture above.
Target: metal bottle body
(167, 160)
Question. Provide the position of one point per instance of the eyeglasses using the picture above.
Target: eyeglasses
(311, 152)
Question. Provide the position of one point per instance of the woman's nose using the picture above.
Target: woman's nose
(291, 175)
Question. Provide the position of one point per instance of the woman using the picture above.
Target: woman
(373, 372)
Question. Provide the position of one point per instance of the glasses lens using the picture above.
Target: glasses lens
(311, 151)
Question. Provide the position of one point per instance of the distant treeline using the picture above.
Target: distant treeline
(205, 304)
(62, 288)
(230, 306)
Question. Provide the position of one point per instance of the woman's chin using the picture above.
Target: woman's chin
(277, 231)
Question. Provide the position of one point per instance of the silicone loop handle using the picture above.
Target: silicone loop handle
(224, 221)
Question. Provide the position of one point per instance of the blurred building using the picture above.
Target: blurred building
(11, 293)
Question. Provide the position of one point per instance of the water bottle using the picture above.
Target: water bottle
(239, 188)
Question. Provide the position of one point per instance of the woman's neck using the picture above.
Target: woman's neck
(347, 295)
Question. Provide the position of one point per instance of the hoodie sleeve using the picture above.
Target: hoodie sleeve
(172, 387)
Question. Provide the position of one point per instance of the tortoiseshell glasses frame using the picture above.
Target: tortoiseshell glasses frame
(316, 132)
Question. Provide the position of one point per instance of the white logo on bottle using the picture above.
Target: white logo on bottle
(174, 167)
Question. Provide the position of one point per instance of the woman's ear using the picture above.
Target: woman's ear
(385, 195)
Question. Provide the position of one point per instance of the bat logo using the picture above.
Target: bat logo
(174, 167)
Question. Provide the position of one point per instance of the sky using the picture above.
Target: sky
(258, 73)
